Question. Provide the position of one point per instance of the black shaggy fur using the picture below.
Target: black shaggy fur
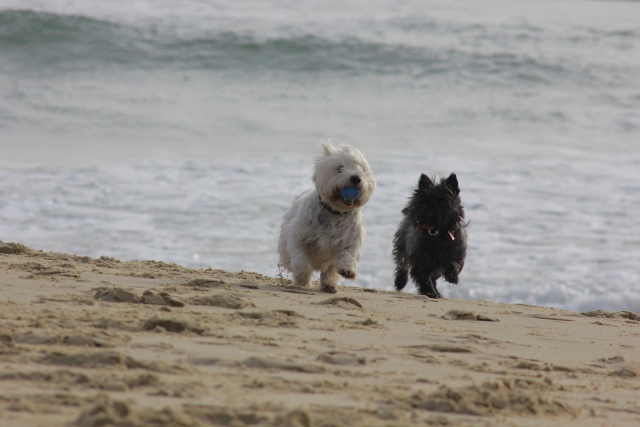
(431, 240)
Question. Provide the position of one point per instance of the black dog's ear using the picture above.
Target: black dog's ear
(452, 181)
(425, 182)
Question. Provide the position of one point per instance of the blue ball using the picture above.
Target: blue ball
(350, 193)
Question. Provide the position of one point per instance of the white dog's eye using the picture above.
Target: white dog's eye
(339, 169)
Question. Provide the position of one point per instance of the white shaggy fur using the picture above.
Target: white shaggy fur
(323, 232)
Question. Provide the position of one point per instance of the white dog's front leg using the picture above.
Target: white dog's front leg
(301, 269)
(329, 280)
(346, 265)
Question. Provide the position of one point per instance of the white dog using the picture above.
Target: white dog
(324, 229)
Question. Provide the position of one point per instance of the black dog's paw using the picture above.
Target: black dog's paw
(430, 294)
(429, 289)
(451, 277)
(347, 274)
(435, 293)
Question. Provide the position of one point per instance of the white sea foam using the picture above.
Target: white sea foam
(542, 232)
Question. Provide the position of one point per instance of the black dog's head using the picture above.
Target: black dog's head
(436, 208)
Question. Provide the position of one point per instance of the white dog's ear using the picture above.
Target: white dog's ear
(328, 148)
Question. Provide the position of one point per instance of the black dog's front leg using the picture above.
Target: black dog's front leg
(426, 283)
(451, 274)
(401, 277)
(453, 270)
(400, 258)
(429, 288)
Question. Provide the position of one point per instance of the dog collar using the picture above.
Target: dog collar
(328, 208)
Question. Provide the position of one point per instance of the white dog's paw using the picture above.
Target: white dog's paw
(329, 288)
(347, 273)
(301, 283)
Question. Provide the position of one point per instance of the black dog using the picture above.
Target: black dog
(431, 240)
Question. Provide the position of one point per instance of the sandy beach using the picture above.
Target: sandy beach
(95, 341)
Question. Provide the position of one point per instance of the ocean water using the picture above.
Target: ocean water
(180, 131)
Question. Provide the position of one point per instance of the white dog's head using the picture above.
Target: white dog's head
(343, 177)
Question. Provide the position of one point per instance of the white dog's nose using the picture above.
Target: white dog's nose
(355, 179)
